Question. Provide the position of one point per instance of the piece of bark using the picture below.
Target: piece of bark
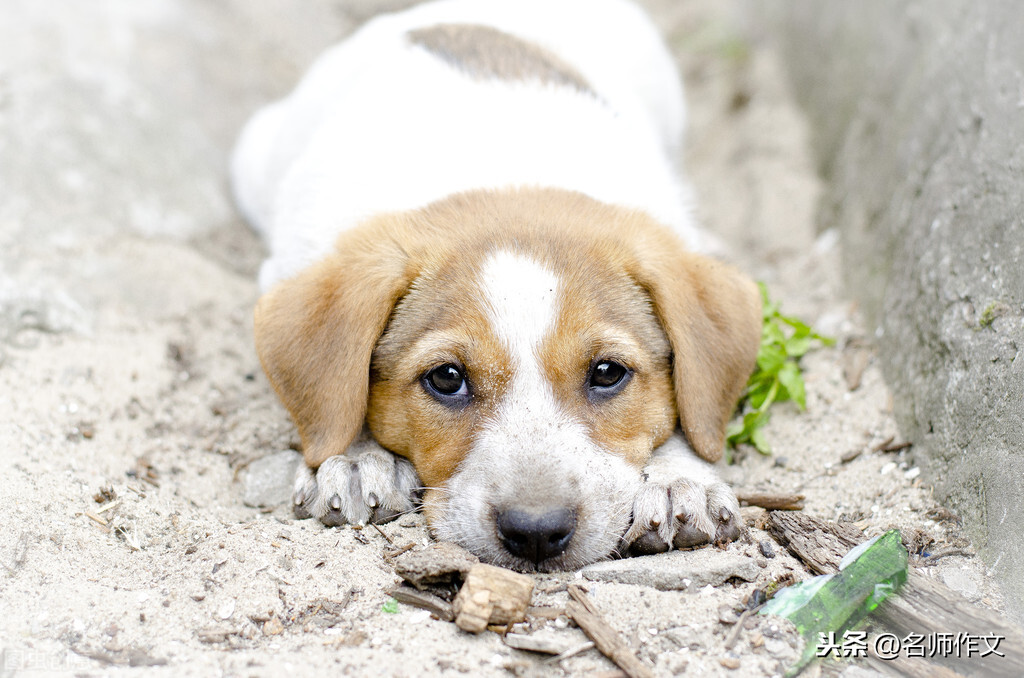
(491, 595)
(437, 606)
(819, 543)
(608, 641)
(776, 502)
(923, 606)
(438, 564)
(540, 643)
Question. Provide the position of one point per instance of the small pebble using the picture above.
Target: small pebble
(766, 549)
(226, 609)
(729, 662)
(273, 626)
(727, 615)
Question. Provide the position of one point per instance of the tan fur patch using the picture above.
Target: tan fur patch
(484, 52)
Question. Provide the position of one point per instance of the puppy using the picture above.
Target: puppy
(483, 285)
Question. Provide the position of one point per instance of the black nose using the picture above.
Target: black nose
(536, 536)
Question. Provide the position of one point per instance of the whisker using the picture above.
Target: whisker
(414, 509)
(443, 490)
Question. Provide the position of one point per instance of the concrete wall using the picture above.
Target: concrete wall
(918, 113)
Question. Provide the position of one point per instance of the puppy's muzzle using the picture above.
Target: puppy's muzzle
(536, 535)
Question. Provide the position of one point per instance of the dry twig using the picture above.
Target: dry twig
(608, 641)
(777, 502)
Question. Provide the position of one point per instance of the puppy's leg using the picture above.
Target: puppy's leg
(681, 504)
(367, 484)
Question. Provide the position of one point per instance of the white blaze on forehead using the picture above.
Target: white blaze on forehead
(521, 299)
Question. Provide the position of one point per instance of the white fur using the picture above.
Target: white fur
(680, 491)
(521, 297)
(367, 483)
(379, 124)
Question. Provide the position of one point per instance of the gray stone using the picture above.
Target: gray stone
(440, 563)
(676, 570)
(267, 482)
(918, 115)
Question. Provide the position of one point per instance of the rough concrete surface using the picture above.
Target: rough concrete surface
(917, 112)
(132, 405)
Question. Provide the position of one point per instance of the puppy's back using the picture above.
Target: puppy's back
(390, 120)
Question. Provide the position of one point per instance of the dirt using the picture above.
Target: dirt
(133, 401)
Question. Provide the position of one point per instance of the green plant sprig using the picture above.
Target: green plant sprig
(777, 377)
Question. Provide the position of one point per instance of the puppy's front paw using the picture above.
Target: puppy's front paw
(682, 514)
(367, 484)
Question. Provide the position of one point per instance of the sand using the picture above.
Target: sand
(134, 408)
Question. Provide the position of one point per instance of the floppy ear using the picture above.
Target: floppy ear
(712, 315)
(315, 334)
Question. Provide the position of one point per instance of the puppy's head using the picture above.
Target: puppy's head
(526, 350)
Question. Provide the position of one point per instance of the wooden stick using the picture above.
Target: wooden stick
(777, 502)
(582, 647)
(437, 606)
(109, 506)
(735, 633)
(394, 553)
(541, 644)
(608, 641)
(933, 558)
(381, 533)
(92, 516)
(851, 455)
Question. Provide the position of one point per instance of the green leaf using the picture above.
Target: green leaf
(390, 606)
(733, 430)
(793, 382)
(777, 377)
(760, 442)
(796, 346)
(759, 395)
(772, 334)
(754, 420)
(771, 358)
(802, 329)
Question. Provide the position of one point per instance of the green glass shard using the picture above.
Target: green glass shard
(869, 574)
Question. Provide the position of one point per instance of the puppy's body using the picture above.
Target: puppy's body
(388, 121)
(477, 250)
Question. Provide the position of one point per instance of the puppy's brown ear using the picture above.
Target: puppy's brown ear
(712, 315)
(315, 334)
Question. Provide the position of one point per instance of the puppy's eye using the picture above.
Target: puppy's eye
(607, 378)
(447, 383)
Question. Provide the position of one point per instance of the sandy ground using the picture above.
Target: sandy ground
(132, 406)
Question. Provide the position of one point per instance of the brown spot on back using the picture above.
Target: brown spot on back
(486, 53)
